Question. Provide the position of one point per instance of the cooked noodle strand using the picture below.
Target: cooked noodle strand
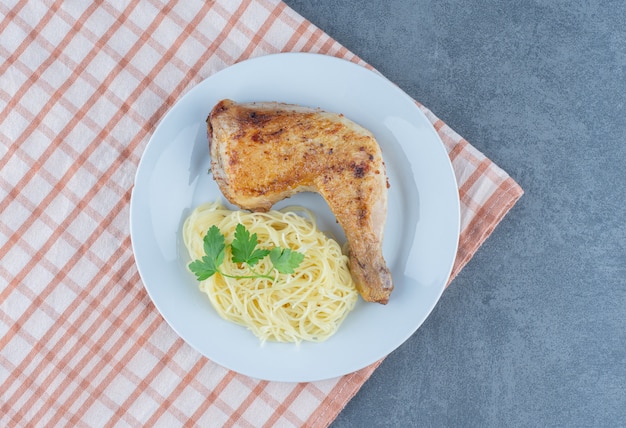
(309, 304)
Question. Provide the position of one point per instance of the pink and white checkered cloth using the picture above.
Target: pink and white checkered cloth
(82, 86)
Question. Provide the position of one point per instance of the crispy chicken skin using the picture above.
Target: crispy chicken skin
(264, 152)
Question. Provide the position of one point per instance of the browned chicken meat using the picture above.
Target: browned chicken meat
(264, 152)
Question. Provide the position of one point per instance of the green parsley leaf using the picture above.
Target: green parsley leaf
(243, 250)
(203, 269)
(285, 260)
(243, 247)
(214, 249)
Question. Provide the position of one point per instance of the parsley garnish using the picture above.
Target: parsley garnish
(243, 247)
(243, 250)
(285, 260)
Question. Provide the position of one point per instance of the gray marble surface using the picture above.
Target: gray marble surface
(533, 330)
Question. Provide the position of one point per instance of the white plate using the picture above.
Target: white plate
(421, 233)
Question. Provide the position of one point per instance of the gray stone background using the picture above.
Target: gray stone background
(533, 330)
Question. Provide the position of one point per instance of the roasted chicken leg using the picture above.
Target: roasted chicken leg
(264, 152)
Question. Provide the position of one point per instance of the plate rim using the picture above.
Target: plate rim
(271, 57)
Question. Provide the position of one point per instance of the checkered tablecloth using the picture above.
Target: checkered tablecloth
(82, 87)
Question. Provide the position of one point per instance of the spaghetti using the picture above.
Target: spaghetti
(309, 304)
